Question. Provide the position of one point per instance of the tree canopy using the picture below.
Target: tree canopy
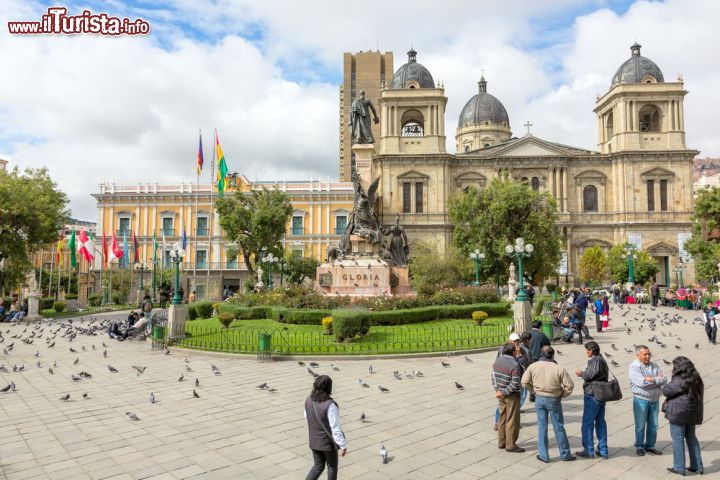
(33, 211)
(495, 216)
(645, 267)
(255, 221)
(430, 271)
(703, 245)
(593, 266)
(298, 268)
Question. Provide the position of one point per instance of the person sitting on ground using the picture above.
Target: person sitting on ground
(21, 312)
(114, 331)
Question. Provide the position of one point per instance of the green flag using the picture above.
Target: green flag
(71, 246)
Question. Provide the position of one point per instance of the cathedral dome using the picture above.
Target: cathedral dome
(412, 75)
(637, 69)
(483, 108)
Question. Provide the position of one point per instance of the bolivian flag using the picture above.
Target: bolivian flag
(222, 167)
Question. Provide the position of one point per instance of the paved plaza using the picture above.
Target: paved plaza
(236, 430)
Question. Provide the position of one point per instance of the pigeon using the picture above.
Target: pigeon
(85, 374)
(262, 386)
(370, 369)
(458, 386)
(384, 454)
(272, 390)
(188, 369)
(362, 417)
(37, 354)
(383, 389)
(132, 416)
(608, 355)
(152, 397)
(105, 353)
(397, 376)
(614, 363)
(38, 364)
(51, 345)
(558, 351)
(85, 396)
(363, 384)
(697, 345)
(186, 360)
(667, 362)
(468, 359)
(112, 369)
(445, 364)
(335, 369)
(628, 350)
(75, 378)
(77, 360)
(104, 346)
(167, 352)
(677, 346)
(50, 370)
(6, 389)
(214, 368)
(93, 347)
(197, 383)
(72, 350)
(181, 378)
(65, 397)
(140, 370)
(314, 364)
(302, 364)
(613, 346)
(417, 373)
(12, 386)
(310, 371)
(195, 394)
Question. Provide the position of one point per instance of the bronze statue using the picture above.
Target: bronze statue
(360, 127)
(363, 221)
(398, 248)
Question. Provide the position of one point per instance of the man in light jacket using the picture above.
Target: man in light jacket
(646, 381)
(550, 383)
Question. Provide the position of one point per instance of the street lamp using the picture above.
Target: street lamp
(629, 254)
(270, 259)
(282, 270)
(176, 256)
(679, 272)
(141, 267)
(519, 251)
(477, 256)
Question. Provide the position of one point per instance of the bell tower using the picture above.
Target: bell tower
(641, 111)
(412, 112)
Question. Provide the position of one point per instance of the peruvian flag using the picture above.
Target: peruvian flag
(114, 252)
(86, 247)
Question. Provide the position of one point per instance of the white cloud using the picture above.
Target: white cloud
(128, 109)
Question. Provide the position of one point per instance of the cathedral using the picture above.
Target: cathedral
(636, 188)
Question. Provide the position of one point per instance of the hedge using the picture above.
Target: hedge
(347, 324)
(427, 314)
(192, 312)
(299, 316)
(246, 313)
(59, 306)
(204, 308)
(94, 300)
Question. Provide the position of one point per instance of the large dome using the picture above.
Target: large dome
(482, 108)
(637, 69)
(411, 73)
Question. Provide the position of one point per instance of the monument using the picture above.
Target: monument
(33, 296)
(365, 263)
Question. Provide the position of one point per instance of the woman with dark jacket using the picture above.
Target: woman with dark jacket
(326, 436)
(593, 419)
(684, 409)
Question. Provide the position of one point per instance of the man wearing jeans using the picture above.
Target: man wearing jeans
(593, 419)
(646, 380)
(550, 383)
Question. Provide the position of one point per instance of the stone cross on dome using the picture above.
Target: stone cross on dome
(528, 125)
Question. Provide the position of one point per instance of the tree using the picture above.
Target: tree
(593, 266)
(644, 266)
(703, 245)
(255, 221)
(298, 268)
(495, 216)
(430, 271)
(33, 211)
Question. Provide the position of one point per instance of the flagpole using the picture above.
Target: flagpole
(59, 285)
(52, 269)
(212, 215)
(197, 196)
(42, 257)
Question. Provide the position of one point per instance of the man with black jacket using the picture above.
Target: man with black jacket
(537, 341)
(593, 420)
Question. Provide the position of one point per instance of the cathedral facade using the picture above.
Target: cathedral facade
(636, 188)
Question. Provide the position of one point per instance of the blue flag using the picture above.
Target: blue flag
(184, 239)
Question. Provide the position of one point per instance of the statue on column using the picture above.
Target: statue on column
(512, 283)
(398, 247)
(31, 282)
(360, 127)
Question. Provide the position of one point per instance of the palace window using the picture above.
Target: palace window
(535, 184)
(202, 226)
(168, 226)
(201, 259)
(406, 191)
(231, 263)
(663, 196)
(418, 197)
(590, 199)
(340, 224)
(297, 225)
(123, 226)
(651, 195)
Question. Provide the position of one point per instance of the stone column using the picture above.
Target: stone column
(522, 315)
(33, 307)
(177, 314)
(363, 163)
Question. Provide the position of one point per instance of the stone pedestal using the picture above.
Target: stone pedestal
(362, 276)
(363, 163)
(522, 314)
(177, 314)
(33, 308)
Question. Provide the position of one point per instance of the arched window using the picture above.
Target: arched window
(590, 199)
(609, 126)
(524, 180)
(412, 129)
(649, 118)
(467, 148)
(535, 184)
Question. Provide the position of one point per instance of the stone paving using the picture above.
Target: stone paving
(236, 430)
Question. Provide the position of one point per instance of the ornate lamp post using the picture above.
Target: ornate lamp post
(629, 254)
(477, 256)
(176, 256)
(269, 259)
(282, 270)
(681, 268)
(519, 251)
(141, 268)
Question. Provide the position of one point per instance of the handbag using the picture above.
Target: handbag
(337, 447)
(607, 391)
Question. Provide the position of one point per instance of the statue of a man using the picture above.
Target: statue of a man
(398, 247)
(512, 278)
(32, 282)
(360, 127)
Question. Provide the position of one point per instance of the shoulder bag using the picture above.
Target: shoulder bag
(607, 391)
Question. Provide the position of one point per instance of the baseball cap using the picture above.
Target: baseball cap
(514, 336)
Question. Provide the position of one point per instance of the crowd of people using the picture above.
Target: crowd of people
(517, 371)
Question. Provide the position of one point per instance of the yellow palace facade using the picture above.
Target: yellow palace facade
(320, 213)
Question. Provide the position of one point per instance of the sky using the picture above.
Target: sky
(265, 74)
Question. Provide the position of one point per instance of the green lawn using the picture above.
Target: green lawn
(439, 335)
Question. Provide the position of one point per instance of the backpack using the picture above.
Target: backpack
(147, 306)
